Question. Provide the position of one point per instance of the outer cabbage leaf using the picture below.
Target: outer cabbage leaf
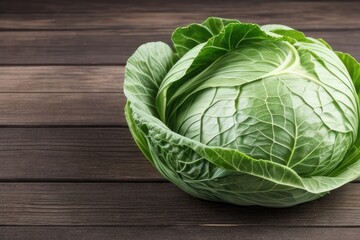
(353, 155)
(186, 38)
(289, 113)
(183, 161)
(156, 88)
(144, 72)
(291, 34)
(353, 68)
(203, 55)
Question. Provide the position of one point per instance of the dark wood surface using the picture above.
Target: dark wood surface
(69, 168)
(112, 47)
(178, 233)
(160, 204)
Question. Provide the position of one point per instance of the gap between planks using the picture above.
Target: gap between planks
(147, 14)
(111, 47)
(72, 155)
(160, 204)
(59, 96)
(176, 233)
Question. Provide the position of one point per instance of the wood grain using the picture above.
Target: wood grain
(61, 79)
(69, 168)
(178, 232)
(72, 154)
(112, 47)
(160, 204)
(64, 95)
(44, 109)
(162, 14)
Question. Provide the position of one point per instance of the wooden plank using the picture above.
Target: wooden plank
(111, 46)
(179, 233)
(132, 14)
(64, 79)
(72, 154)
(62, 109)
(74, 47)
(65, 95)
(160, 204)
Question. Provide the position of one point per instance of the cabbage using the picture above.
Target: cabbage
(246, 114)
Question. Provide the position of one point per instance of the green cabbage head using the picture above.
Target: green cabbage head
(246, 114)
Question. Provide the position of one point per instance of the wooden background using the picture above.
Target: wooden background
(68, 166)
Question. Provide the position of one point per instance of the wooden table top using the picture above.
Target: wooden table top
(69, 168)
